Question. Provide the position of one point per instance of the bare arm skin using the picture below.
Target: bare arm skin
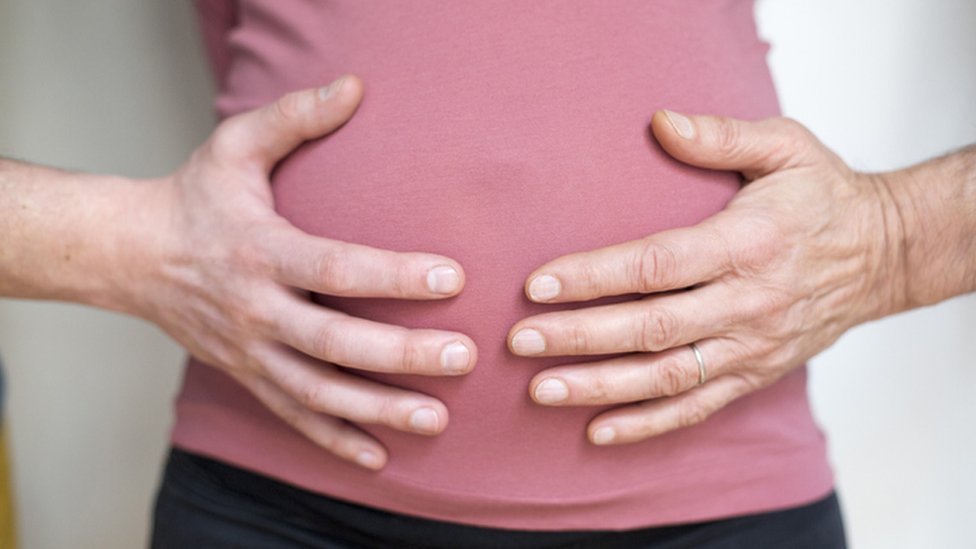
(74, 236)
(934, 206)
(806, 250)
(202, 254)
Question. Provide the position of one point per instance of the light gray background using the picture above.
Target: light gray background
(121, 87)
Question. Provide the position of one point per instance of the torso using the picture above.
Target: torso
(505, 134)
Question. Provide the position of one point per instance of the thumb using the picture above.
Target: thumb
(755, 149)
(266, 134)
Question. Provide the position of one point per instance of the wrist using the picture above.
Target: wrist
(932, 208)
(897, 218)
(136, 243)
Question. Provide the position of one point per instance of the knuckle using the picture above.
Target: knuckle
(402, 280)
(591, 278)
(794, 139)
(217, 350)
(331, 441)
(256, 318)
(387, 410)
(289, 108)
(769, 240)
(657, 331)
(342, 444)
(727, 137)
(413, 359)
(234, 313)
(741, 354)
(765, 306)
(778, 356)
(251, 358)
(580, 339)
(332, 269)
(598, 388)
(795, 132)
(655, 267)
(250, 321)
(670, 378)
(201, 156)
(758, 251)
(321, 432)
(250, 256)
(692, 412)
(325, 342)
(223, 143)
(314, 396)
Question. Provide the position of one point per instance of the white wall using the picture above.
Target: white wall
(121, 87)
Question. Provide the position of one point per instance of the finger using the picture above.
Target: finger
(626, 379)
(367, 345)
(669, 260)
(339, 268)
(753, 148)
(266, 134)
(653, 323)
(336, 436)
(322, 387)
(641, 421)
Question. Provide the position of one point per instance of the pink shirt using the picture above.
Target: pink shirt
(504, 134)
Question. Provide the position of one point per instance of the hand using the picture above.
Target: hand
(796, 258)
(233, 288)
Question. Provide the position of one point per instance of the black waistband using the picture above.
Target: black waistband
(200, 497)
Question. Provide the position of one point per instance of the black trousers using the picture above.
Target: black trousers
(207, 504)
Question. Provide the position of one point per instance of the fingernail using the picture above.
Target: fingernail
(551, 390)
(544, 288)
(604, 435)
(443, 280)
(424, 420)
(681, 124)
(369, 460)
(455, 357)
(326, 92)
(528, 342)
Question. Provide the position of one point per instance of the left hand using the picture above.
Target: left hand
(801, 254)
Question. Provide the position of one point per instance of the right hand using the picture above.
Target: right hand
(233, 287)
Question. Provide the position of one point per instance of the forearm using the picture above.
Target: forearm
(934, 205)
(71, 236)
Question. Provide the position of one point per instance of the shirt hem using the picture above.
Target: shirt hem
(777, 481)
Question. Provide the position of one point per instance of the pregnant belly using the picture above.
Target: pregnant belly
(501, 205)
(503, 135)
